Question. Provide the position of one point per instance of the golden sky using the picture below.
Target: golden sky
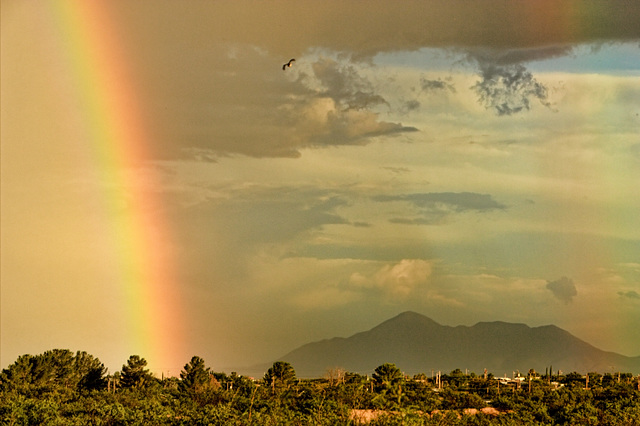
(164, 179)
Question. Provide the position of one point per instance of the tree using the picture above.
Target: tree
(18, 375)
(387, 375)
(195, 376)
(280, 375)
(389, 378)
(53, 368)
(456, 378)
(91, 372)
(57, 368)
(134, 374)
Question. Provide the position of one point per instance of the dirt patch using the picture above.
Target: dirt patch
(366, 416)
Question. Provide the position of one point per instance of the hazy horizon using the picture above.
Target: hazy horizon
(168, 190)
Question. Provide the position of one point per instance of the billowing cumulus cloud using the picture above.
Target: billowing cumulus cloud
(399, 280)
(341, 109)
(563, 289)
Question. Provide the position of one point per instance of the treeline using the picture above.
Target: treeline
(59, 387)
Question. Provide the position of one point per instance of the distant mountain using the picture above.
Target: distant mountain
(417, 344)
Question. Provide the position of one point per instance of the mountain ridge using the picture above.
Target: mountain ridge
(418, 344)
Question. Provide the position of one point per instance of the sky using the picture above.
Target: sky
(168, 190)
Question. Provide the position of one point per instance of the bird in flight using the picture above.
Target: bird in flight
(288, 64)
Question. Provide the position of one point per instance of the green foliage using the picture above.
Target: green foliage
(58, 369)
(62, 388)
(389, 380)
(280, 376)
(454, 400)
(134, 374)
(387, 375)
(195, 377)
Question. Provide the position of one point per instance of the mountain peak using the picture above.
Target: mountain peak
(412, 317)
(406, 322)
(418, 344)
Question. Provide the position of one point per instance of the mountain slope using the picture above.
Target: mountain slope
(417, 344)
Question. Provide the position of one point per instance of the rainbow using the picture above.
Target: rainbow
(106, 106)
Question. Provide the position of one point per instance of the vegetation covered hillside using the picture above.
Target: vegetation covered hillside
(59, 387)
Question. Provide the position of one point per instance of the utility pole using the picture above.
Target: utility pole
(586, 385)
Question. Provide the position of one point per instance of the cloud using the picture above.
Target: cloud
(436, 85)
(515, 56)
(327, 297)
(508, 89)
(215, 86)
(563, 289)
(410, 105)
(434, 206)
(397, 170)
(221, 235)
(506, 86)
(361, 224)
(340, 111)
(458, 201)
(345, 85)
(364, 29)
(399, 280)
(631, 294)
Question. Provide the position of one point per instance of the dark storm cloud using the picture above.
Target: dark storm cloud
(363, 29)
(563, 289)
(504, 57)
(214, 81)
(435, 206)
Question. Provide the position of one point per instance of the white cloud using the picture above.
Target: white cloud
(399, 280)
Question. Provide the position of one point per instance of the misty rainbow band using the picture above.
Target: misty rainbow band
(106, 106)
